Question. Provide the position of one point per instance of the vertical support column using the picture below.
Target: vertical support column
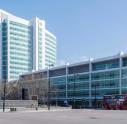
(120, 78)
(90, 70)
(67, 84)
(35, 43)
(48, 75)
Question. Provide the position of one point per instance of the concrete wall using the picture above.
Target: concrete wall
(19, 103)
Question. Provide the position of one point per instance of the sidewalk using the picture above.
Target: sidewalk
(45, 109)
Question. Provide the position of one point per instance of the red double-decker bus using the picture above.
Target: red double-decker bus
(114, 102)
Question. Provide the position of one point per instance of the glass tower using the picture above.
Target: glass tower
(24, 46)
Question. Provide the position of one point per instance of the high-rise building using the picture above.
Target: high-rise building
(24, 46)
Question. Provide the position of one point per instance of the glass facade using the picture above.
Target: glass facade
(88, 86)
(109, 64)
(85, 83)
(20, 49)
(4, 49)
(59, 85)
(78, 85)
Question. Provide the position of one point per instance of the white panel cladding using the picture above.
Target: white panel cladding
(43, 44)
(41, 27)
(12, 17)
(90, 72)
(50, 49)
(8, 59)
(67, 83)
(120, 79)
(35, 44)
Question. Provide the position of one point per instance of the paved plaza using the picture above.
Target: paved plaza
(65, 117)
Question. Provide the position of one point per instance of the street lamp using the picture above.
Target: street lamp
(74, 93)
(50, 65)
(67, 80)
(4, 95)
(95, 95)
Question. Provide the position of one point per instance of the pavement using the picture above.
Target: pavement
(39, 109)
(84, 116)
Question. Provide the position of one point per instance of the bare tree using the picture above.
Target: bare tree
(38, 84)
(12, 90)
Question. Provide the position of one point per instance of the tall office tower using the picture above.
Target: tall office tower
(44, 45)
(24, 46)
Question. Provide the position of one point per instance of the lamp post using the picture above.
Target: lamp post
(95, 95)
(56, 97)
(67, 80)
(74, 93)
(49, 85)
(4, 95)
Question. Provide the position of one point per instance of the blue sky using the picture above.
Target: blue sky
(84, 28)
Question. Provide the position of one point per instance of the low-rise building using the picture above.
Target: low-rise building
(86, 82)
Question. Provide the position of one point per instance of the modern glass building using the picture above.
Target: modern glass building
(86, 82)
(24, 46)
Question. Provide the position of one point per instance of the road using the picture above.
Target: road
(65, 117)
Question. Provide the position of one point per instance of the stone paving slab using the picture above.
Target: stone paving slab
(65, 117)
